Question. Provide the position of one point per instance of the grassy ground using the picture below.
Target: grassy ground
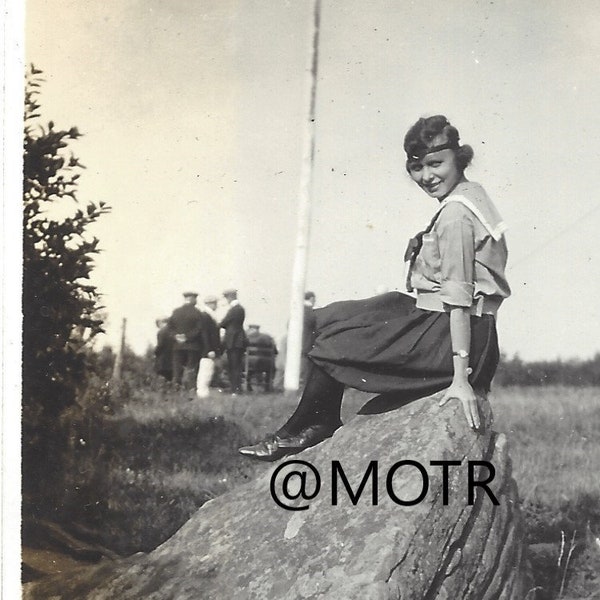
(554, 433)
(555, 439)
(140, 470)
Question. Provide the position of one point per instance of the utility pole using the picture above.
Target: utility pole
(291, 381)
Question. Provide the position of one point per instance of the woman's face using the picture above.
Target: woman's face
(437, 173)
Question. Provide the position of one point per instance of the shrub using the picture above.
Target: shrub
(60, 306)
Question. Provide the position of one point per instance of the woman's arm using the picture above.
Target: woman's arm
(457, 252)
(460, 388)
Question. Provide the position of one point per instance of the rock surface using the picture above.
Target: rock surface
(242, 545)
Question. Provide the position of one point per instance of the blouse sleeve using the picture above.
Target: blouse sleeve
(456, 239)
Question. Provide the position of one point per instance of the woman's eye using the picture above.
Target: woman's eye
(436, 163)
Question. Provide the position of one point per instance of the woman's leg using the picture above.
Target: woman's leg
(320, 404)
(315, 419)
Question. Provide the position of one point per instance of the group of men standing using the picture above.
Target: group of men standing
(191, 334)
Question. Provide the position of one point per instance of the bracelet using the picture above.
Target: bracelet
(461, 353)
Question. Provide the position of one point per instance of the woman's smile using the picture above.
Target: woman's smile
(431, 187)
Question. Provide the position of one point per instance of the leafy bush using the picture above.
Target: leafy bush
(60, 306)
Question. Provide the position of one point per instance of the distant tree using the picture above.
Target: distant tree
(60, 306)
(574, 372)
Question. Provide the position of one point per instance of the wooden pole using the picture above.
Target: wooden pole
(291, 381)
(117, 368)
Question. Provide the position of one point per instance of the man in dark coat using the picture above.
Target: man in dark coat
(209, 308)
(191, 341)
(260, 359)
(309, 327)
(163, 353)
(235, 340)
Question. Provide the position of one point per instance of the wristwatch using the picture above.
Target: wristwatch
(461, 353)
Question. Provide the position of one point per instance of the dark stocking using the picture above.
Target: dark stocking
(320, 403)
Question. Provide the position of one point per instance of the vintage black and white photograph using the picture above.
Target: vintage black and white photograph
(309, 300)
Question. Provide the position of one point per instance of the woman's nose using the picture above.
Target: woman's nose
(426, 174)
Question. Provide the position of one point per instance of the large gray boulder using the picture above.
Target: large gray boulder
(243, 545)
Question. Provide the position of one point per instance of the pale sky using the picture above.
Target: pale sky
(193, 113)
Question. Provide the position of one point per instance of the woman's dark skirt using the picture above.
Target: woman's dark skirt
(386, 344)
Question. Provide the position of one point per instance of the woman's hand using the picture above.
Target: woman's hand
(462, 390)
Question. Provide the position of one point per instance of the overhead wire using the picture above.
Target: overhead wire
(554, 237)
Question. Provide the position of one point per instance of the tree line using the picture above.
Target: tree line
(572, 372)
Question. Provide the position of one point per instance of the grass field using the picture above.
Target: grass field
(554, 433)
(555, 439)
(138, 474)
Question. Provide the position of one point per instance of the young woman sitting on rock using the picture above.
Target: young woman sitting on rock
(442, 336)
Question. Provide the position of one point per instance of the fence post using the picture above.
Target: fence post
(117, 368)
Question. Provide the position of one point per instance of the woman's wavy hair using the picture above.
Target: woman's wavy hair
(419, 139)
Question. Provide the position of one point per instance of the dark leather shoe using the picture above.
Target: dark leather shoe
(267, 449)
(275, 447)
(308, 437)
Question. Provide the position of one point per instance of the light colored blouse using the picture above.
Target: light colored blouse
(463, 256)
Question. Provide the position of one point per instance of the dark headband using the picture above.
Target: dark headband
(432, 149)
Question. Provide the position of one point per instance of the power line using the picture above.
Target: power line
(554, 237)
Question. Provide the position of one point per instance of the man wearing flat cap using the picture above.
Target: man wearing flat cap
(163, 352)
(260, 362)
(191, 341)
(235, 340)
(209, 308)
